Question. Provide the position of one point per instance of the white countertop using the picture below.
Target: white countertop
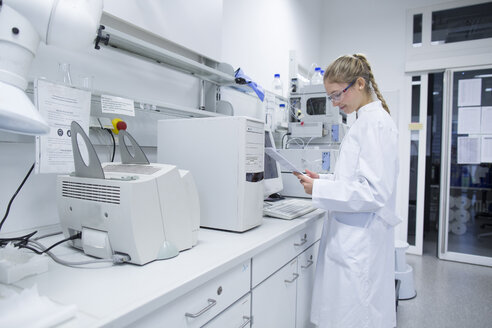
(118, 295)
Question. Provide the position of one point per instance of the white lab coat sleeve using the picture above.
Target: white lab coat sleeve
(328, 176)
(365, 180)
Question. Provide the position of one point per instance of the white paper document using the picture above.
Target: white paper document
(486, 120)
(468, 150)
(284, 162)
(117, 105)
(469, 120)
(59, 105)
(470, 92)
(486, 149)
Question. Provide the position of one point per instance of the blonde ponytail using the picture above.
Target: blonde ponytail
(348, 68)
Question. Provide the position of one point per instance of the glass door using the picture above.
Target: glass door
(465, 232)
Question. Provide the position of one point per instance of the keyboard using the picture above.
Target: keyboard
(287, 209)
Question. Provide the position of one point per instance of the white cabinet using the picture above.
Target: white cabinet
(274, 300)
(272, 259)
(237, 316)
(305, 283)
(199, 306)
(283, 278)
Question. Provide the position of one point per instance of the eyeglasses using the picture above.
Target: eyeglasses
(338, 95)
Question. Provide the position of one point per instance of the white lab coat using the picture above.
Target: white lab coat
(354, 284)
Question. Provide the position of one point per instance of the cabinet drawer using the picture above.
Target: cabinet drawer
(274, 300)
(237, 316)
(269, 261)
(199, 306)
(306, 269)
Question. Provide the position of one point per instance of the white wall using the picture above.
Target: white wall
(257, 36)
(193, 24)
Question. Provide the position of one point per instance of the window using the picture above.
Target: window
(461, 24)
(417, 30)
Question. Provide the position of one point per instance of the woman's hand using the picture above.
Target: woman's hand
(307, 180)
(311, 174)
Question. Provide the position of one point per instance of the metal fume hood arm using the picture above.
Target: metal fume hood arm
(121, 36)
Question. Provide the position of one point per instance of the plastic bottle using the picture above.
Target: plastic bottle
(317, 78)
(284, 114)
(277, 86)
(65, 75)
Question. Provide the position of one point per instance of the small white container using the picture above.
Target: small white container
(16, 264)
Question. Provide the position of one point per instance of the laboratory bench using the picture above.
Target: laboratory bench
(254, 276)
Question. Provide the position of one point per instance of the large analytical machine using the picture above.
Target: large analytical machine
(226, 157)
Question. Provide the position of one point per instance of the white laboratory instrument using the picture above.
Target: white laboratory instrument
(316, 107)
(70, 24)
(226, 157)
(317, 160)
(315, 136)
(134, 208)
(318, 117)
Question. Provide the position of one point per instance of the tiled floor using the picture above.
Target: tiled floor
(449, 295)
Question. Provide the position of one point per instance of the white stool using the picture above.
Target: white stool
(403, 272)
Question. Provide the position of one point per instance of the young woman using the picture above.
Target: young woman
(355, 283)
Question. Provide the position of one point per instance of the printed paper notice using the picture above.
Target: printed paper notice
(486, 149)
(486, 120)
(468, 150)
(469, 92)
(469, 120)
(284, 162)
(59, 105)
(117, 105)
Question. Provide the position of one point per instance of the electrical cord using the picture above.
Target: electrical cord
(285, 135)
(116, 259)
(296, 141)
(15, 194)
(48, 235)
(309, 141)
(5, 241)
(23, 243)
(114, 143)
(38, 248)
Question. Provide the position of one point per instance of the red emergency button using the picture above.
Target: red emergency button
(121, 125)
(118, 124)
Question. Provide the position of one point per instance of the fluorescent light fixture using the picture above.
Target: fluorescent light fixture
(18, 114)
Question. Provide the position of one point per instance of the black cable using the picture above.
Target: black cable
(23, 243)
(29, 248)
(114, 143)
(76, 236)
(25, 238)
(15, 194)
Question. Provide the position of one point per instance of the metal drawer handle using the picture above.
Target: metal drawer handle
(248, 320)
(303, 240)
(293, 279)
(310, 262)
(211, 303)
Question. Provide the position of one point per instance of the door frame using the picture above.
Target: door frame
(447, 116)
(417, 249)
